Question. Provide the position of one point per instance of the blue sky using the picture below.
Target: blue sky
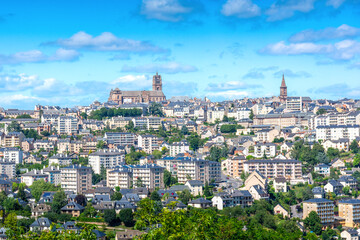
(71, 53)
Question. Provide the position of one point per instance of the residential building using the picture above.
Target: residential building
(333, 186)
(256, 178)
(149, 143)
(76, 178)
(336, 132)
(288, 168)
(279, 209)
(349, 210)
(258, 193)
(61, 159)
(150, 175)
(198, 169)
(30, 177)
(54, 174)
(323, 207)
(349, 234)
(67, 125)
(120, 176)
(322, 168)
(178, 147)
(13, 154)
(120, 138)
(265, 149)
(200, 203)
(279, 184)
(196, 187)
(13, 139)
(107, 158)
(266, 135)
(8, 168)
(234, 166)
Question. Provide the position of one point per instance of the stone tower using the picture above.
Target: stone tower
(157, 82)
(283, 90)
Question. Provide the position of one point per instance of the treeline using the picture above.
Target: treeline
(114, 112)
(230, 128)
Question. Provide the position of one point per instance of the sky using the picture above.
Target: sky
(70, 53)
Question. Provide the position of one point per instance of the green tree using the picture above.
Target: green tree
(313, 223)
(102, 172)
(346, 190)
(21, 193)
(354, 146)
(155, 109)
(184, 130)
(251, 115)
(185, 196)
(14, 127)
(169, 180)
(40, 186)
(139, 182)
(117, 196)
(157, 154)
(356, 161)
(155, 196)
(80, 199)
(321, 111)
(59, 201)
(126, 216)
(333, 153)
(110, 217)
(207, 192)
(100, 145)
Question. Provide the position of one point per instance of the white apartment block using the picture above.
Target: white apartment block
(198, 169)
(120, 138)
(30, 177)
(178, 147)
(117, 122)
(151, 175)
(60, 159)
(12, 154)
(109, 158)
(119, 177)
(7, 168)
(148, 143)
(289, 168)
(352, 118)
(336, 132)
(215, 113)
(294, 104)
(239, 113)
(67, 125)
(147, 123)
(76, 178)
(267, 149)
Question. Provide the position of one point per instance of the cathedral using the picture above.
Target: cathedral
(283, 91)
(123, 97)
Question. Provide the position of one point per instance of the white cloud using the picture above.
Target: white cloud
(286, 9)
(106, 42)
(169, 68)
(36, 56)
(343, 31)
(230, 85)
(131, 82)
(164, 10)
(230, 94)
(335, 3)
(343, 50)
(17, 82)
(241, 9)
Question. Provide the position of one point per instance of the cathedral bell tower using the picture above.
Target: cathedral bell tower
(157, 82)
(283, 90)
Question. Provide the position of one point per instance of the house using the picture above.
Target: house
(318, 192)
(258, 193)
(337, 163)
(255, 178)
(200, 203)
(196, 187)
(333, 186)
(73, 208)
(40, 224)
(222, 200)
(40, 209)
(322, 168)
(171, 200)
(3, 235)
(349, 234)
(124, 204)
(69, 226)
(348, 181)
(128, 234)
(278, 209)
(279, 184)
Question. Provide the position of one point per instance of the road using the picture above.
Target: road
(233, 183)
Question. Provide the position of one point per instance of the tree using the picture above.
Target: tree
(14, 127)
(354, 146)
(59, 201)
(346, 190)
(251, 115)
(21, 193)
(207, 192)
(80, 199)
(102, 172)
(155, 109)
(157, 154)
(100, 145)
(228, 128)
(185, 196)
(333, 153)
(11, 204)
(110, 217)
(155, 196)
(83, 115)
(130, 126)
(356, 161)
(313, 223)
(127, 217)
(184, 130)
(322, 158)
(117, 196)
(139, 182)
(40, 186)
(45, 133)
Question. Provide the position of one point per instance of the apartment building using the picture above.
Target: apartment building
(13, 139)
(30, 177)
(107, 158)
(349, 210)
(288, 168)
(54, 174)
(198, 169)
(239, 113)
(61, 159)
(45, 145)
(283, 120)
(120, 138)
(117, 122)
(67, 125)
(336, 132)
(215, 113)
(323, 207)
(178, 147)
(267, 149)
(266, 135)
(76, 178)
(12, 154)
(151, 175)
(149, 143)
(120, 176)
(8, 168)
(234, 166)
(147, 123)
(351, 118)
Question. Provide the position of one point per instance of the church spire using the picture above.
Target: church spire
(283, 84)
(283, 90)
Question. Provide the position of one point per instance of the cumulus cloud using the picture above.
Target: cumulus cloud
(339, 90)
(106, 42)
(36, 56)
(283, 9)
(343, 31)
(335, 3)
(131, 82)
(169, 68)
(229, 94)
(292, 74)
(343, 50)
(258, 73)
(241, 9)
(164, 10)
(18, 82)
(230, 85)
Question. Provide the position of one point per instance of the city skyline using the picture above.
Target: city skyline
(71, 54)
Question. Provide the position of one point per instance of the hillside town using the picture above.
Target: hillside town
(285, 162)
